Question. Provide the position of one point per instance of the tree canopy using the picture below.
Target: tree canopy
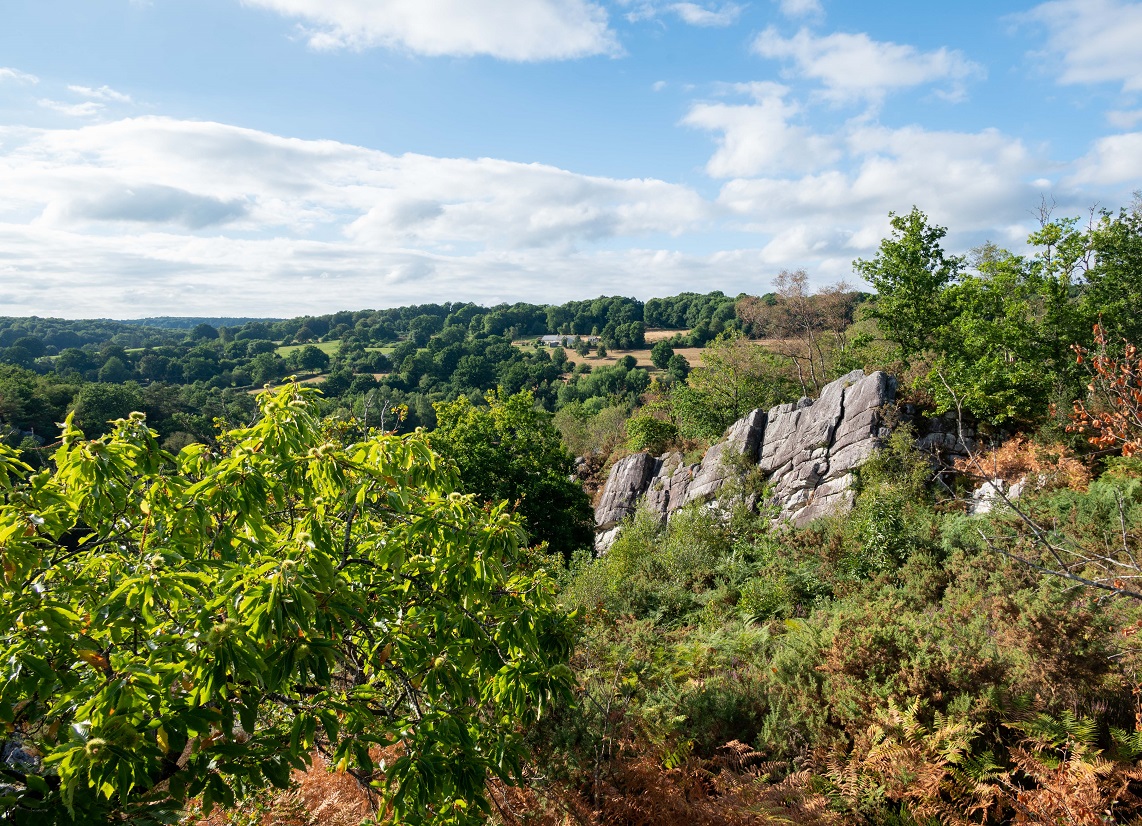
(510, 450)
(176, 626)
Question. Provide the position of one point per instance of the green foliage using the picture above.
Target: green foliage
(889, 520)
(661, 353)
(678, 367)
(308, 357)
(910, 272)
(588, 428)
(97, 405)
(237, 606)
(509, 450)
(646, 432)
(663, 573)
(736, 377)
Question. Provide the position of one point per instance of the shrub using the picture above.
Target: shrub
(648, 433)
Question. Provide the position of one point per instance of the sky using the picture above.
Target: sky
(285, 157)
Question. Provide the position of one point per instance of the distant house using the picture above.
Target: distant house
(567, 341)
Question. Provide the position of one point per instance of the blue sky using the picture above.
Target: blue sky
(278, 157)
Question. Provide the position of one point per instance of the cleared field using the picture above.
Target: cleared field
(657, 335)
(327, 347)
(642, 357)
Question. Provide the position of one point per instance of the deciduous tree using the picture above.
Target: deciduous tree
(196, 625)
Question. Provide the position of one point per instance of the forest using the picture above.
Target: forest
(340, 569)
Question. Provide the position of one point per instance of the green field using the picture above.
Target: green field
(327, 347)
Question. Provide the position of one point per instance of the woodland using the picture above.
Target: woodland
(340, 569)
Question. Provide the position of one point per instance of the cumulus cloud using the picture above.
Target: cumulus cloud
(854, 66)
(802, 8)
(152, 215)
(972, 182)
(150, 204)
(522, 30)
(104, 93)
(157, 204)
(16, 76)
(696, 15)
(1124, 119)
(1092, 41)
(760, 137)
(197, 174)
(705, 14)
(1115, 159)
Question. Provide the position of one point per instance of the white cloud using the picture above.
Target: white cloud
(759, 137)
(104, 93)
(1116, 159)
(87, 109)
(705, 14)
(979, 184)
(1124, 119)
(1092, 41)
(854, 66)
(802, 8)
(160, 170)
(697, 15)
(152, 215)
(157, 207)
(521, 30)
(16, 76)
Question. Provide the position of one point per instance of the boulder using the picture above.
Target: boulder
(811, 448)
(742, 439)
(629, 479)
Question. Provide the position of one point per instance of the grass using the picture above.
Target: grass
(327, 347)
(642, 357)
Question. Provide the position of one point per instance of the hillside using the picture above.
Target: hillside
(813, 556)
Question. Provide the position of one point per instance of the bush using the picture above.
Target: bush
(648, 433)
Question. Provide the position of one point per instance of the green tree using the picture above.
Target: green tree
(114, 370)
(96, 405)
(660, 354)
(1114, 284)
(423, 327)
(649, 433)
(993, 357)
(204, 331)
(511, 450)
(678, 367)
(193, 625)
(736, 377)
(311, 357)
(266, 368)
(911, 274)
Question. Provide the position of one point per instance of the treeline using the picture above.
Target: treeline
(405, 358)
(24, 341)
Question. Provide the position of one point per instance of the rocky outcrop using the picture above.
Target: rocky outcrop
(743, 439)
(808, 450)
(812, 448)
(629, 479)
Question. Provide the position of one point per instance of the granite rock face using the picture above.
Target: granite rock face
(629, 479)
(808, 450)
(743, 439)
